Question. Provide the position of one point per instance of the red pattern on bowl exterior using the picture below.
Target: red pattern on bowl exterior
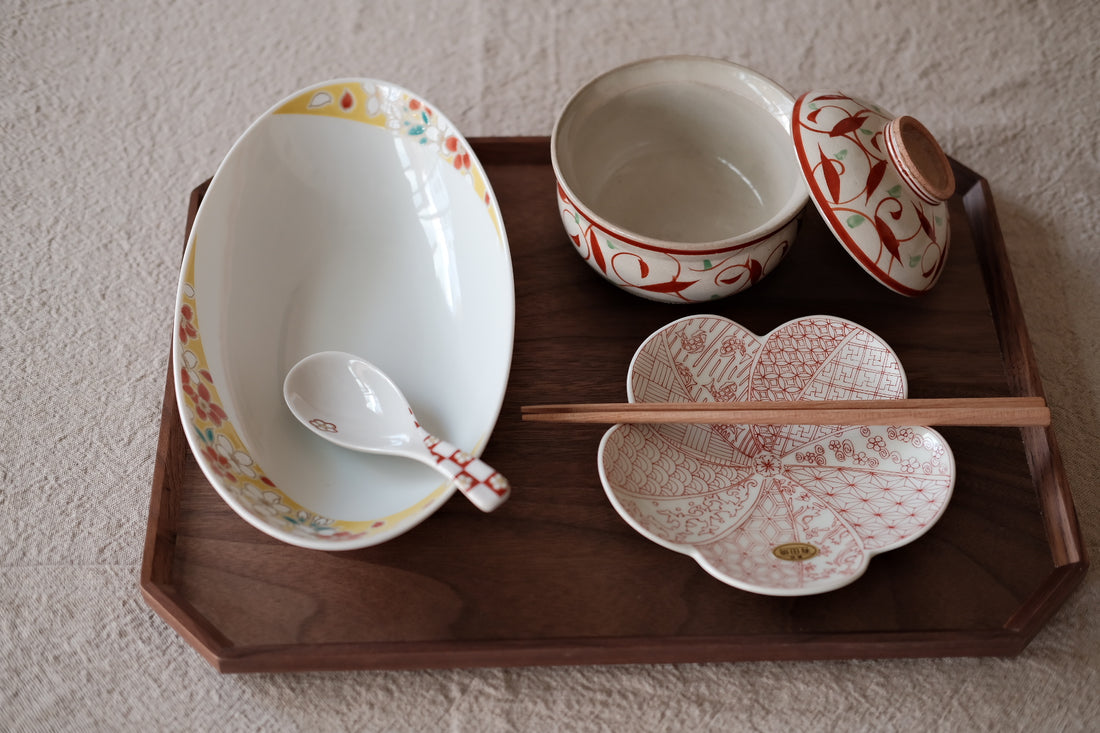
(875, 205)
(673, 275)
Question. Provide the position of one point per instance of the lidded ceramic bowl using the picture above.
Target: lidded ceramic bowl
(676, 177)
(678, 181)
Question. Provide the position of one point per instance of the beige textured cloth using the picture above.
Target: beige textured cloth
(110, 113)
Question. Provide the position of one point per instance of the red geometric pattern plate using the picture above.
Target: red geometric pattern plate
(775, 509)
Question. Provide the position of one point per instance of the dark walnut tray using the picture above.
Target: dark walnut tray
(556, 577)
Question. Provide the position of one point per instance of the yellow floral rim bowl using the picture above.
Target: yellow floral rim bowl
(350, 216)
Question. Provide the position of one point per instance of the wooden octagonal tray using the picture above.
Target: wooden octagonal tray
(556, 577)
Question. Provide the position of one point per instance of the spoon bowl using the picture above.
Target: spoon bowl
(354, 404)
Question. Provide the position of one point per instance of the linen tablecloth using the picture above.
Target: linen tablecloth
(110, 113)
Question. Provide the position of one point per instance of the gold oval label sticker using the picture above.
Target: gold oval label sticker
(795, 551)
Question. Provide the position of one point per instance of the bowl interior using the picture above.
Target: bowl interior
(351, 218)
(686, 150)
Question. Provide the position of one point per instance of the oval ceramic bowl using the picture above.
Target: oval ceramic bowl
(677, 179)
(351, 216)
(778, 510)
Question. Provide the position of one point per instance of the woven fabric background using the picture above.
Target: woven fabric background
(110, 113)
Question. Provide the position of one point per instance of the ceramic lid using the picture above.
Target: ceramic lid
(880, 182)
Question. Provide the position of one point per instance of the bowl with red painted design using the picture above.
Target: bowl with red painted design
(781, 510)
(676, 177)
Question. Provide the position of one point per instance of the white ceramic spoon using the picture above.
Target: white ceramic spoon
(353, 404)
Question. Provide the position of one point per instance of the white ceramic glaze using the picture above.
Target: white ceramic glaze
(352, 216)
(352, 403)
(778, 510)
(676, 177)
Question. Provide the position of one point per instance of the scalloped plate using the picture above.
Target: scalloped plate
(777, 510)
(351, 216)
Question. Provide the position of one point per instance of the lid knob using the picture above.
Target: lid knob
(919, 159)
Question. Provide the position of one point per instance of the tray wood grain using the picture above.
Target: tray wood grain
(556, 577)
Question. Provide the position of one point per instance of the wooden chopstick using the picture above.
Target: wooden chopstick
(986, 411)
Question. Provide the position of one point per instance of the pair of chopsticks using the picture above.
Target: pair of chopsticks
(984, 411)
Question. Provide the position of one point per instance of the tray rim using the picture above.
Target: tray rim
(1044, 460)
